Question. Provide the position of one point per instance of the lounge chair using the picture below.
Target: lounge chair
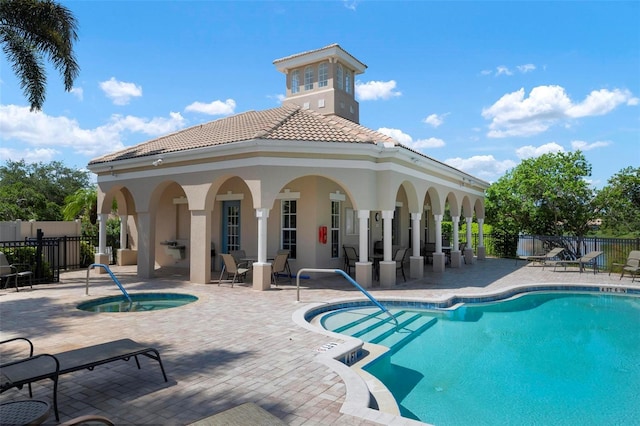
(590, 258)
(231, 267)
(16, 374)
(543, 258)
(15, 271)
(89, 419)
(632, 266)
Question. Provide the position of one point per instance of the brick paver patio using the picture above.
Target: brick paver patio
(233, 345)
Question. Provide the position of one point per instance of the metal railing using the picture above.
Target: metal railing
(351, 281)
(113, 277)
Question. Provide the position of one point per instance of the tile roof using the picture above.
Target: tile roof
(287, 122)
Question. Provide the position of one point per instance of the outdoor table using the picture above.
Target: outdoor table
(25, 412)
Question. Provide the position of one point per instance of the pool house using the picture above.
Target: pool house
(305, 177)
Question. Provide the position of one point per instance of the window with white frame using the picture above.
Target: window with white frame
(288, 227)
(347, 81)
(335, 229)
(295, 81)
(308, 78)
(323, 75)
(340, 77)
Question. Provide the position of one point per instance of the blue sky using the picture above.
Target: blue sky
(479, 85)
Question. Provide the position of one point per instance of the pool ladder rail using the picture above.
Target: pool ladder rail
(352, 282)
(113, 277)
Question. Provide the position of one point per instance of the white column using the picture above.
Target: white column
(455, 222)
(438, 224)
(123, 231)
(481, 250)
(261, 270)
(415, 233)
(364, 273)
(262, 215)
(469, 220)
(363, 222)
(102, 233)
(387, 217)
(416, 262)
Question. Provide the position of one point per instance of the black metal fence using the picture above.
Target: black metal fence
(46, 257)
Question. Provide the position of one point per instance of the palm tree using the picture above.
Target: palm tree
(31, 30)
(83, 203)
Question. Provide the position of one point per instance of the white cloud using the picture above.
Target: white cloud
(485, 167)
(600, 102)
(500, 70)
(585, 146)
(515, 115)
(37, 130)
(213, 108)
(153, 127)
(350, 4)
(435, 120)
(78, 92)
(408, 141)
(526, 68)
(43, 155)
(530, 151)
(374, 90)
(120, 92)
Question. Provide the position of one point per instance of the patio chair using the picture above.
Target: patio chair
(288, 253)
(399, 257)
(15, 271)
(632, 265)
(350, 258)
(240, 257)
(542, 258)
(582, 262)
(279, 268)
(429, 249)
(231, 267)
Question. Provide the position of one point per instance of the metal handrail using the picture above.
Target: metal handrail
(113, 277)
(352, 281)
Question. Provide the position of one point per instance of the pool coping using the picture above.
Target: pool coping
(341, 359)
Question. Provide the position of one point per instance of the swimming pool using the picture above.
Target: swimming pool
(139, 302)
(537, 358)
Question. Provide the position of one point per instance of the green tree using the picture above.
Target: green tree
(618, 203)
(32, 31)
(547, 195)
(37, 191)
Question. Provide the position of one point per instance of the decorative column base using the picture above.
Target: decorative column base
(127, 257)
(456, 259)
(102, 259)
(388, 274)
(482, 253)
(364, 274)
(468, 256)
(438, 262)
(261, 273)
(416, 268)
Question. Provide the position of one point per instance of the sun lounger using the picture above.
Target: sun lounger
(50, 366)
(543, 258)
(588, 259)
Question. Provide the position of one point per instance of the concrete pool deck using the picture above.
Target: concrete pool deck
(232, 346)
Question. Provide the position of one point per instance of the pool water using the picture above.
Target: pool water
(542, 358)
(139, 302)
